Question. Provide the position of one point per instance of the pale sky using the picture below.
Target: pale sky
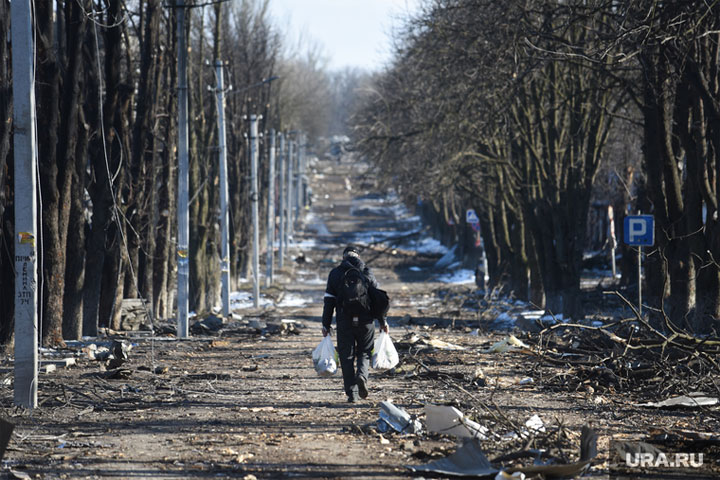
(352, 33)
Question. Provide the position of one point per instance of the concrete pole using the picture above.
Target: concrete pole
(281, 200)
(254, 199)
(183, 217)
(290, 196)
(26, 298)
(224, 217)
(298, 176)
(271, 211)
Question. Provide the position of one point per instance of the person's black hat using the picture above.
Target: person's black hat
(350, 250)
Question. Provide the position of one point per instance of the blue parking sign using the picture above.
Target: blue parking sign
(639, 230)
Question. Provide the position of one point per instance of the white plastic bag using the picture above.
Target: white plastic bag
(384, 355)
(324, 358)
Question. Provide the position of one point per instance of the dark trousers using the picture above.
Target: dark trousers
(354, 342)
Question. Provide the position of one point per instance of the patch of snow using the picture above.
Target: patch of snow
(244, 299)
(294, 300)
(459, 277)
(447, 259)
(427, 246)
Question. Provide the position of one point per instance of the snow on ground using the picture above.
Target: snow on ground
(244, 300)
(427, 246)
(294, 300)
(460, 276)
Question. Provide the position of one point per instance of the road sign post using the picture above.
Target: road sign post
(471, 217)
(639, 231)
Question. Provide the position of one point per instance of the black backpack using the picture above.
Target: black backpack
(353, 293)
(379, 303)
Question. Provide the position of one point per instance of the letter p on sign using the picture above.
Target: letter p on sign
(639, 230)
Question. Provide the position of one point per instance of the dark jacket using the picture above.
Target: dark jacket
(333, 287)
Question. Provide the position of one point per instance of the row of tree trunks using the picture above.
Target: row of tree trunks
(7, 233)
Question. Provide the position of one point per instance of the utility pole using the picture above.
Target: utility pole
(299, 175)
(254, 200)
(271, 211)
(224, 217)
(289, 216)
(24, 136)
(183, 217)
(281, 200)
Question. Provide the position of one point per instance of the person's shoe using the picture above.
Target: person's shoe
(351, 399)
(362, 387)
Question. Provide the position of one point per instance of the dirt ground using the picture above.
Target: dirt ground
(245, 401)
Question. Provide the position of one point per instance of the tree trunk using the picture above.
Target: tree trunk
(100, 191)
(7, 217)
(54, 178)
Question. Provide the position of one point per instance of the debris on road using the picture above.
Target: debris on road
(693, 400)
(507, 344)
(469, 460)
(397, 419)
(451, 421)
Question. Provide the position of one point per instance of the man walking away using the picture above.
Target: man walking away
(347, 293)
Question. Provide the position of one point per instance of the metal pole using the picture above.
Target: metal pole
(26, 298)
(183, 217)
(271, 211)
(224, 217)
(640, 280)
(254, 199)
(613, 242)
(281, 201)
(289, 216)
(298, 175)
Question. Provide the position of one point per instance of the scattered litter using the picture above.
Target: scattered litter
(324, 357)
(506, 344)
(502, 475)
(384, 355)
(17, 474)
(588, 451)
(451, 421)
(535, 424)
(441, 345)
(429, 341)
(692, 401)
(207, 326)
(397, 419)
(468, 460)
(526, 381)
(257, 324)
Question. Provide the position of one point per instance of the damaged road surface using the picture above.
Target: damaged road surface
(241, 398)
